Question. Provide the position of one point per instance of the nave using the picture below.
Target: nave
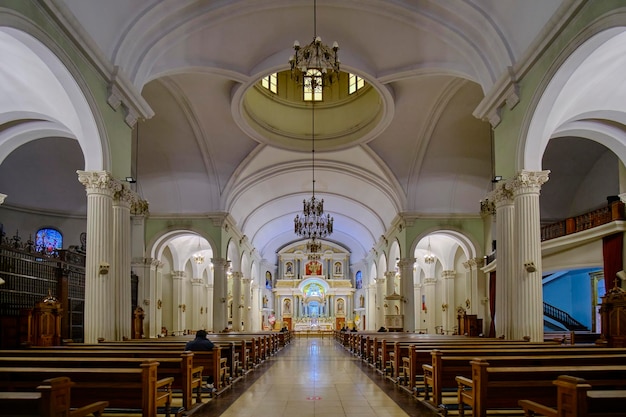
(314, 377)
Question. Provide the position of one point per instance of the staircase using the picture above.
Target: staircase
(563, 317)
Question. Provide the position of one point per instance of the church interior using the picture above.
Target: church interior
(313, 168)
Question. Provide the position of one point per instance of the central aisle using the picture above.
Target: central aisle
(315, 377)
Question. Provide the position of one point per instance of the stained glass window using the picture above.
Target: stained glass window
(48, 240)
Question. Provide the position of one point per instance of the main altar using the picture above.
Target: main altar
(314, 294)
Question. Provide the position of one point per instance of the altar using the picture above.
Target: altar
(314, 324)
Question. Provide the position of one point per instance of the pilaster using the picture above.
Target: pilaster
(448, 302)
(220, 293)
(505, 298)
(407, 292)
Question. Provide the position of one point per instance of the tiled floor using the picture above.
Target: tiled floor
(314, 377)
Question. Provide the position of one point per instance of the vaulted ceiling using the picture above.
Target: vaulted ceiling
(430, 62)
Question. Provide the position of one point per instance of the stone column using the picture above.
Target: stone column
(370, 306)
(487, 213)
(98, 291)
(178, 301)
(208, 303)
(140, 265)
(505, 214)
(156, 291)
(471, 287)
(527, 269)
(419, 321)
(448, 304)
(145, 295)
(220, 290)
(380, 302)
(237, 301)
(407, 289)
(197, 304)
(255, 311)
(247, 307)
(122, 200)
(430, 287)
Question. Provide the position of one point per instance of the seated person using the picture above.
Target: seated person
(201, 342)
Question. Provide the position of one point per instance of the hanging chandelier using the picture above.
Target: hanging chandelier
(198, 257)
(429, 258)
(314, 56)
(313, 223)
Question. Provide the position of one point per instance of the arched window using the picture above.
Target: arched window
(48, 240)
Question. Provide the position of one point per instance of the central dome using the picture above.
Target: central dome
(284, 119)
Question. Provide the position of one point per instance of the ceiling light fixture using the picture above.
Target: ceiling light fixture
(314, 56)
(198, 257)
(429, 258)
(313, 223)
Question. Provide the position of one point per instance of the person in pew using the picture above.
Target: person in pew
(354, 329)
(382, 329)
(201, 342)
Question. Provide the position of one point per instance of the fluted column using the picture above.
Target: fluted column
(527, 270)
(380, 302)
(390, 280)
(247, 307)
(197, 304)
(237, 300)
(208, 303)
(141, 268)
(178, 301)
(98, 291)
(156, 291)
(487, 213)
(419, 320)
(370, 306)
(407, 289)
(255, 310)
(220, 293)
(430, 315)
(505, 214)
(448, 302)
(122, 320)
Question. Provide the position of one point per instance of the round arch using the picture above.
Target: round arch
(42, 94)
(584, 85)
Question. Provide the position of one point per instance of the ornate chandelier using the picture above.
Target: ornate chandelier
(429, 258)
(314, 56)
(313, 223)
(198, 257)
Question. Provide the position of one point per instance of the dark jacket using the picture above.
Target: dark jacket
(199, 343)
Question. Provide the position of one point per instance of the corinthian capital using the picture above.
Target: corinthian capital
(503, 195)
(139, 207)
(529, 182)
(97, 181)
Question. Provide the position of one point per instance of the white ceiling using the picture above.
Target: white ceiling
(434, 60)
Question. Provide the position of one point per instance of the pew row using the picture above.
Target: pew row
(575, 398)
(493, 388)
(441, 373)
(124, 388)
(52, 399)
(187, 377)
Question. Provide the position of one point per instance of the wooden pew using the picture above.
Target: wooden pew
(491, 388)
(52, 399)
(420, 354)
(575, 398)
(187, 377)
(442, 372)
(125, 388)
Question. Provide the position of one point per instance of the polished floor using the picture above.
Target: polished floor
(314, 377)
